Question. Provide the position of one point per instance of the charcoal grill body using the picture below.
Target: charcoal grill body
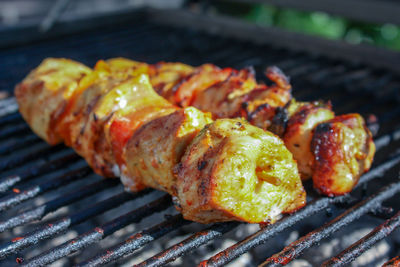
(37, 180)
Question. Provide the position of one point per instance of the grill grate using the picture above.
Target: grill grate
(37, 180)
(366, 242)
(361, 208)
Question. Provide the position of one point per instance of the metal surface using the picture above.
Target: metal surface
(7, 182)
(392, 262)
(296, 248)
(51, 229)
(362, 245)
(193, 242)
(137, 241)
(22, 194)
(30, 170)
(42, 210)
(98, 233)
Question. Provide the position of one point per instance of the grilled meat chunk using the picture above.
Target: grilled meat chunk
(133, 100)
(82, 126)
(272, 108)
(141, 105)
(202, 78)
(166, 76)
(235, 171)
(90, 90)
(343, 150)
(224, 99)
(45, 92)
(240, 96)
(156, 147)
(115, 87)
(298, 133)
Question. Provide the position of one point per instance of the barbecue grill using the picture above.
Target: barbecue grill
(47, 191)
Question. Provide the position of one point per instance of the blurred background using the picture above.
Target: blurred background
(14, 13)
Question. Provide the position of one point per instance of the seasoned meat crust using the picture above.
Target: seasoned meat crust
(45, 92)
(233, 170)
(154, 149)
(298, 133)
(343, 150)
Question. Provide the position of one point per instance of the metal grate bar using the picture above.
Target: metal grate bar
(35, 171)
(392, 262)
(359, 247)
(10, 118)
(21, 195)
(8, 106)
(303, 69)
(4, 102)
(331, 92)
(386, 139)
(322, 74)
(19, 160)
(296, 248)
(19, 143)
(51, 229)
(39, 212)
(272, 230)
(336, 82)
(15, 130)
(136, 241)
(194, 241)
(98, 233)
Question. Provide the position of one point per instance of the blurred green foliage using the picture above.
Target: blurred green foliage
(317, 23)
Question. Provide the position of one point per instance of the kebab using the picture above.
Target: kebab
(216, 170)
(334, 150)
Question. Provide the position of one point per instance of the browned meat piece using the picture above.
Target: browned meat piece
(343, 151)
(156, 147)
(202, 78)
(298, 133)
(235, 171)
(113, 86)
(165, 76)
(43, 95)
(80, 121)
(225, 99)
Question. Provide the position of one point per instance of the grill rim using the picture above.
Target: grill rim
(221, 25)
(231, 27)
